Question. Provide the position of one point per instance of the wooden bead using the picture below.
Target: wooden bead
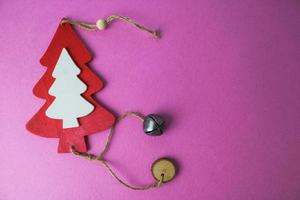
(163, 168)
(101, 24)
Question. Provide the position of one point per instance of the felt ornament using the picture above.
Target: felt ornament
(70, 112)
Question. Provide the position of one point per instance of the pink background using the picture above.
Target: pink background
(225, 75)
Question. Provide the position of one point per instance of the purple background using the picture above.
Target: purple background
(225, 74)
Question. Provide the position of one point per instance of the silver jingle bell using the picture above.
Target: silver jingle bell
(153, 125)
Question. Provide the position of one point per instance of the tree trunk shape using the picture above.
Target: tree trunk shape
(70, 122)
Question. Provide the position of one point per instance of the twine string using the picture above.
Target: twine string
(93, 27)
(105, 164)
(109, 20)
(83, 25)
(109, 137)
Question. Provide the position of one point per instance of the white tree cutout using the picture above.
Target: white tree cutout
(67, 89)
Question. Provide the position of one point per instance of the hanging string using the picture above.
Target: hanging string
(100, 158)
(102, 24)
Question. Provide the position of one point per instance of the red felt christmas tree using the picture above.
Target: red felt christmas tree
(97, 120)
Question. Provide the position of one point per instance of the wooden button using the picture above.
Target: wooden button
(163, 168)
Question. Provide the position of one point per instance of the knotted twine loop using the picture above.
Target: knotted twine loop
(109, 20)
(107, 166)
